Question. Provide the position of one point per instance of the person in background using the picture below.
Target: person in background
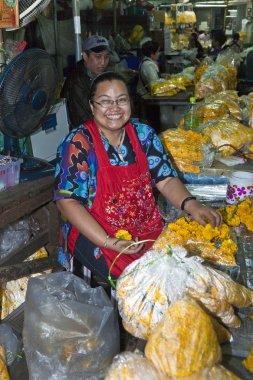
(105, 172)
(204, 37)
(148, 70)
(218, 39)
(235, 43)
(95, 60)
(195, 44)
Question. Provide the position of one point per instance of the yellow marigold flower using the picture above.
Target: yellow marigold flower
(224, 231)
(123, 235)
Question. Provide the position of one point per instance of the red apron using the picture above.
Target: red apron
(123, 200)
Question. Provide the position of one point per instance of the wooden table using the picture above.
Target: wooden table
(32, 198)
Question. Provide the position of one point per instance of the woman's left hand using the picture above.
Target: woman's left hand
(127, 246)
(204, 214)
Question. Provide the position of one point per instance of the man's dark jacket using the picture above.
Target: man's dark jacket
(75, 90)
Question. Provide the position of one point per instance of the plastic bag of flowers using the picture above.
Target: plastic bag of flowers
(228, 135)
(190, 150)
(147, 286)
(133, 366)
(185, 345)
(216, 245)
(214, 79)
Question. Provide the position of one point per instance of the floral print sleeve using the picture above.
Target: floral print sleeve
(75, 162)
(160, 165)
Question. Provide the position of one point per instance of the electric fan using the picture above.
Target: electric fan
(28, 9)
(27, 91)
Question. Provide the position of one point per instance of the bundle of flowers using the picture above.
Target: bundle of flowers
(187, 149)
(241, 213)
(214, 244)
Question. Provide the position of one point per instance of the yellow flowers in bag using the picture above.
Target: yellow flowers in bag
(214, 244)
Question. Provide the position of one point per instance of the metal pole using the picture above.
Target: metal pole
(114, 16)
(56, 39)
(2, 56)
(77, 27)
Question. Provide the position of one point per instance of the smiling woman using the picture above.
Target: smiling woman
(104, 176)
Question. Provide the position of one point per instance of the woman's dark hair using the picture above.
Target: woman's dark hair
(194, 41)
(106, 76)
(236, 37)
(150, 47)
(219, 36)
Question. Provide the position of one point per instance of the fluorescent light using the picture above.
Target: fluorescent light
(210, 5)
(211, 2)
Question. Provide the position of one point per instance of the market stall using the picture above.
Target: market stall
(187, 303)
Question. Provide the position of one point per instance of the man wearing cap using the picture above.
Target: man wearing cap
(96, 56)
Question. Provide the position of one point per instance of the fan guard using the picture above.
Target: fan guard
(29, 9)
(27, 90)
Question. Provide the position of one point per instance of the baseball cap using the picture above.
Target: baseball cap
(94, 42)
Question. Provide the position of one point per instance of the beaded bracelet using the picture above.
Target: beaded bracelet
(186, 200)
(106, 241)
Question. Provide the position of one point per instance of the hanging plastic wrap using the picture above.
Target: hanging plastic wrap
(148, 285)
(190, 151)
(185, 341)
(133, 366)
(186, 17)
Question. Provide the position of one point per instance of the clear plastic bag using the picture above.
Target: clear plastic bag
(211, 111)
(230, 100)
(189, 149)
(11, 342)
(185, 341)
(215, 78)
(70, 329)
(148, 285)
(13, 236)
(216, 245)
(228, 135)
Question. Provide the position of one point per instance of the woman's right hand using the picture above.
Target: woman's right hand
(118, 245)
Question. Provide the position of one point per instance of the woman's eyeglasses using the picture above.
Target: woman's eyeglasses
(105, 103)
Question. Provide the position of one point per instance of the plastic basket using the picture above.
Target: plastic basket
(9, 171)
